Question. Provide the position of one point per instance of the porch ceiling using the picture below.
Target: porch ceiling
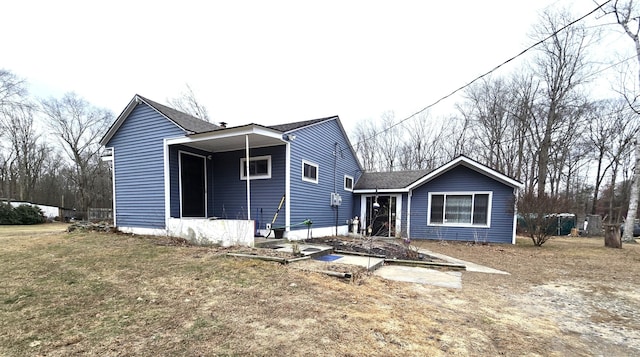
(234, 143)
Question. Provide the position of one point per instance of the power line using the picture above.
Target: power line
(483, 75)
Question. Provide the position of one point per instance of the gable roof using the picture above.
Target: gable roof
(297, 125)
(285, 128)
(184, 120)
(389, 180)
(404, 181)
(188, 123)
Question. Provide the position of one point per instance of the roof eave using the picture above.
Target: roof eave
(228, 132)
(344, 133)
(380, 190)
(463, 160)
(137, 99)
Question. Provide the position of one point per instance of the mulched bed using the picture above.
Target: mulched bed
(390, 249)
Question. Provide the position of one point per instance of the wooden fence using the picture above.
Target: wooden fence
(100, 214)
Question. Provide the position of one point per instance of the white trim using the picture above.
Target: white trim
(243, 161)
(460, 193)
(344, 183)
(167, 181)
(363, 213)
(335, 118)
(143, 231)
(113, 184)
(133, 103)
(204, 162)
(247, 162)
(300, 234)
(515, 215)
(470, 164)
(381, 190)
(398, 215)
(287, 187)
(226, 133)
(409, 213)
(306, 179)
(314, 124)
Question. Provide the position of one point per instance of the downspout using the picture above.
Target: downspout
(246, 144)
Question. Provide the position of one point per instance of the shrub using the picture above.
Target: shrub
(23, 214)
(29, 214)
(8, 214)
(536, 219)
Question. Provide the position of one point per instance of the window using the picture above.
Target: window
(348, 183)
(309, 172)
(259, 168)
(460, 209)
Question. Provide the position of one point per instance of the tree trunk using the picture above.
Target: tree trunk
(612, 236)
(633, 199)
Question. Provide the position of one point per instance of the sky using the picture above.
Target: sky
(266, 62)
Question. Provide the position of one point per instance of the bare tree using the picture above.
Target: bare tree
(78, 125)
(457, 135)
(524, 88)
(188, 103)
(366, 144)
(389, 141)
(561, 65)
(13, 102)
(627, 16)
(423, 142)
(487, 108)
(13, 91)
(18, 126)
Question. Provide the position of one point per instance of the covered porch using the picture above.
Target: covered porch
(224, 186)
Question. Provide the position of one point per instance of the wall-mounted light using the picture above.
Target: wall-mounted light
(289, 137)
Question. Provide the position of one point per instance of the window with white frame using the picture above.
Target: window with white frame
(460, 209)
(259, 168)
(309, 172)
(348, 183)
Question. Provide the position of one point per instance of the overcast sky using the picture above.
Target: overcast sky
(266, 62)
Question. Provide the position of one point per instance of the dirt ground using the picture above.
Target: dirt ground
(117, 295)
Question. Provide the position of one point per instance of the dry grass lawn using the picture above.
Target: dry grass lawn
(118, 295)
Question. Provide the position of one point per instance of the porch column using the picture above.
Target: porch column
(246, 144)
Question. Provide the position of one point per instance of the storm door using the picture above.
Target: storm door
(381, 218)
(193, 187)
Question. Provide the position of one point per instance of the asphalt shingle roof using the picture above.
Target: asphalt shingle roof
(186, 121)
(292, 126)
(389, 180)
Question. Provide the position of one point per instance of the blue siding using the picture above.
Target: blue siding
(462, 178)
(230, 192)
(316, 144)
(174, 178)
(139, 168)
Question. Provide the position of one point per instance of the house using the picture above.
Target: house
(176, 174)
(462, 200)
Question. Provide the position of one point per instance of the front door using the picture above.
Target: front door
(193, 187)
(381, 220)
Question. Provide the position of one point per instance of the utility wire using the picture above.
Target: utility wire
(482, 75)
(531, 135)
